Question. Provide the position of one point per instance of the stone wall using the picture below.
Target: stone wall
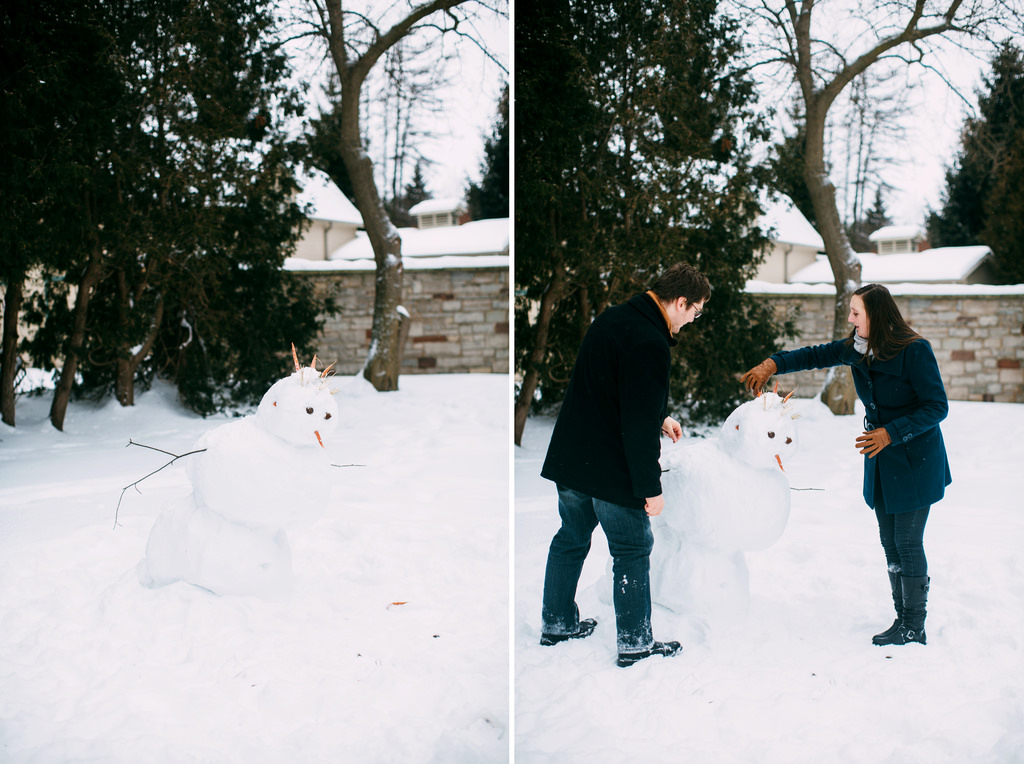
(977, 334)
(459, 319)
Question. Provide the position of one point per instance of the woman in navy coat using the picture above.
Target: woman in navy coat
(905, 466)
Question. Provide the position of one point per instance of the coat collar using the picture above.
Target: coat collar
(646, 305)
(893, 366)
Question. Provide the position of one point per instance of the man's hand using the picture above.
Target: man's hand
(757, 378)
(672, 428)
(872, 442)
(654, 505)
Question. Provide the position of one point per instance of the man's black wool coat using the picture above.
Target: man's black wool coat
(607, 439)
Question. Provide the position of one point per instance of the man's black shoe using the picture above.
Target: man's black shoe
(584, 629)
(667, 649)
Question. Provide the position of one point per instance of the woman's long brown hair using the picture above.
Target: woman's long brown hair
(888, 331)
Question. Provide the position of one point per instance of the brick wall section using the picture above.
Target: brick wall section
(978, 339)
(460, 319)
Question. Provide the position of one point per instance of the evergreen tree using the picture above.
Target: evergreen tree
(983, 186)
(489, 199)
(859, 233)
(182, 211)
(414, 192)
(787, 170)
(633, 152)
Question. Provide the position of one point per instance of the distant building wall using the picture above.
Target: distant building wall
(978, 339)
(459, 319)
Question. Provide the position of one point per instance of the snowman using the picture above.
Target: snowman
(255, 478)
(724, 496)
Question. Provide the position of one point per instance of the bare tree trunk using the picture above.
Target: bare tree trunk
(61, 396)
(548, 302)
(384, 358)
(838, 393)
(819, 90)
(125, 377)
(8, 360)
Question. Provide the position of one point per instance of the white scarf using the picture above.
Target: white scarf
(860, 344)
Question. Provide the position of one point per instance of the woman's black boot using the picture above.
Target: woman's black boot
(897, 601)
(915, 599)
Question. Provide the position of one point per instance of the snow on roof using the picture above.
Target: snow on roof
(429, 206)
(789, 224)
(942, 265)
(984, 290)
(326, 200)
(478, 238)
(897, 232)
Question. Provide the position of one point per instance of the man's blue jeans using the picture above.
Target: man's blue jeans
(630, 542)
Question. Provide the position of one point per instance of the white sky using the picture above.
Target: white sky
(934, 112)
(470, 101)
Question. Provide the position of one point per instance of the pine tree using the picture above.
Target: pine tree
(177, 207)
(489, 199)
(859, 233)
(983, 191)
(633, 152)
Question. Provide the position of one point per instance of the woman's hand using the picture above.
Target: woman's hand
(757, 378)
(871, 442)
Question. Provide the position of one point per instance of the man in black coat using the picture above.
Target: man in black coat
(603, 457)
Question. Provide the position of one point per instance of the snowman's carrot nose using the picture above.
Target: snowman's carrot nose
(323, 446)
(777, 458)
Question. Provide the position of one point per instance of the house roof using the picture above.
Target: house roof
(326, 200)
(950, 265)
(429, 206)
(897, 232)
(481, 243)
(789, 226)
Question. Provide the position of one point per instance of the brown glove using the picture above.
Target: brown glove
(756, 378)
(872, 442)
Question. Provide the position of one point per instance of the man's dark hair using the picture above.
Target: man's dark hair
(682, 280)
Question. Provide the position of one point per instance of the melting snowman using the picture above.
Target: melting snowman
(724, 496)
(257, 477)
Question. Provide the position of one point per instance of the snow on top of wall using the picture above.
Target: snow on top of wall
(480, 237)
(429, 206)
(944, 264)
(455, 262)
(789, 224)
(326, 200)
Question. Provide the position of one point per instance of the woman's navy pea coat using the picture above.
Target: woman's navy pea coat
(904, 395)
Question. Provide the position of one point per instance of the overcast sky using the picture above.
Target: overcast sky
(470, 99)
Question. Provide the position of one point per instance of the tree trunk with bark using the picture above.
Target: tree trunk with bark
(838, 393)
(9, 360)
(539, 350)
(86, 287)
(127, 366)
(384, 358)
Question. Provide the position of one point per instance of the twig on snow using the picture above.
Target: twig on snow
(136, 483)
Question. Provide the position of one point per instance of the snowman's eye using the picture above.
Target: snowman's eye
(771, 434)
(788, 441)
(327, 415)
(309, 409)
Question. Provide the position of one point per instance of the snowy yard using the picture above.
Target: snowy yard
(95, 667)
(798, 680)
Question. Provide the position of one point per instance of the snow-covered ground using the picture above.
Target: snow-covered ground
(799, 680)
(393, 646)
